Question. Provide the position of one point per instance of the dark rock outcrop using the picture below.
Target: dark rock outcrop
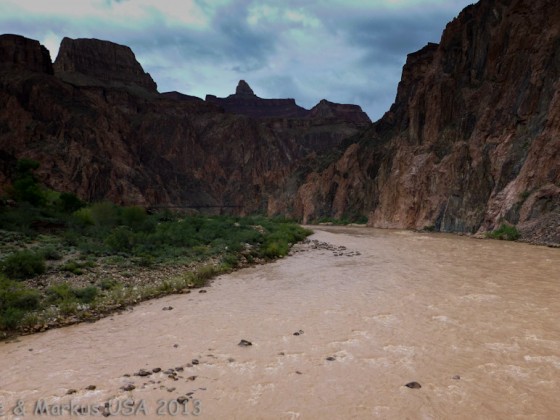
(178, 96)
(339, 112)
(95, 62)
(472, 139)
(18, 52)
(321, 129)
(245, 102)
(244, 90)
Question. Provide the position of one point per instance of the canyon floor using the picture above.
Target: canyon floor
(337, 330)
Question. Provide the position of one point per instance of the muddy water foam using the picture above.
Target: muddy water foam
(474, 322)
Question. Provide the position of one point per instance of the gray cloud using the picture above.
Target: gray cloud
(348, 52)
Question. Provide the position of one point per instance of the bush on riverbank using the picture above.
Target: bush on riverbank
(344, 220)
(23, 265)
(15, 301)
(505, 232)
(59, 239)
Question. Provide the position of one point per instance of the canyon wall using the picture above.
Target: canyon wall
(99, 128)
(472, 139)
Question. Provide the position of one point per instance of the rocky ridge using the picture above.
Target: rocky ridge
(245, 102)
(100, 129)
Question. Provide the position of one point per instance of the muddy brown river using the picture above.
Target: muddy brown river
(476, 323)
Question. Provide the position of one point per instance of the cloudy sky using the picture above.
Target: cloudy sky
(347, 51)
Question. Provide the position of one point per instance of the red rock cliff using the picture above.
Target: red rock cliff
(92, 61)
(96, 133)
(18, 52)
(472, 139)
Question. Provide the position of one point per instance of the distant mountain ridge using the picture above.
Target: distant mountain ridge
(98, 126)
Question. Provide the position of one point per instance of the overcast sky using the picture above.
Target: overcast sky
(347, 51)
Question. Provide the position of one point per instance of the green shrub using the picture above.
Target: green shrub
(361, 219)
(505, 232)
(65, 294)
(76, 267)
(121, 239)
(82, 217)
(275, 249)
(25, 166)
(104, 214)
(72, 267)
(108, 284)
(231, 260)
(51, 253)
(27, 189)
(10, 318)
(15, 302)
(69, 203)
(145, 261)
(23, 265)
(86, 294)
(59, 292)
(13, 294)
(25, 186)
(134, 217)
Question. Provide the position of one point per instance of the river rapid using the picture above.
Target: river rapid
(474, 322)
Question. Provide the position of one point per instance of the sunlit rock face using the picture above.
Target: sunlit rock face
(472, 139)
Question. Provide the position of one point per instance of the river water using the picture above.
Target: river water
(474, 322)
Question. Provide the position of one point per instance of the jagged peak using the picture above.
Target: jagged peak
(243, 89)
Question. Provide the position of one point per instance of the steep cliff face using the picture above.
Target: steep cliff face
(18, 52)
(472, 138)
(95, 62)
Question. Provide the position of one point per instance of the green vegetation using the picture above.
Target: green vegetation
(90, 255)
(344, 220)
(505, 232)
(15, 301)
(23, 265)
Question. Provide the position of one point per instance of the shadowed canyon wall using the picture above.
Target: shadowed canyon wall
(99, 128)
(471, 141)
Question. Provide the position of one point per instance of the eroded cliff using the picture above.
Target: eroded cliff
(472, 138)
(100, 129)
(471, 141)
(95, 62)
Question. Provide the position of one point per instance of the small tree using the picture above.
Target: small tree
(25, 186)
